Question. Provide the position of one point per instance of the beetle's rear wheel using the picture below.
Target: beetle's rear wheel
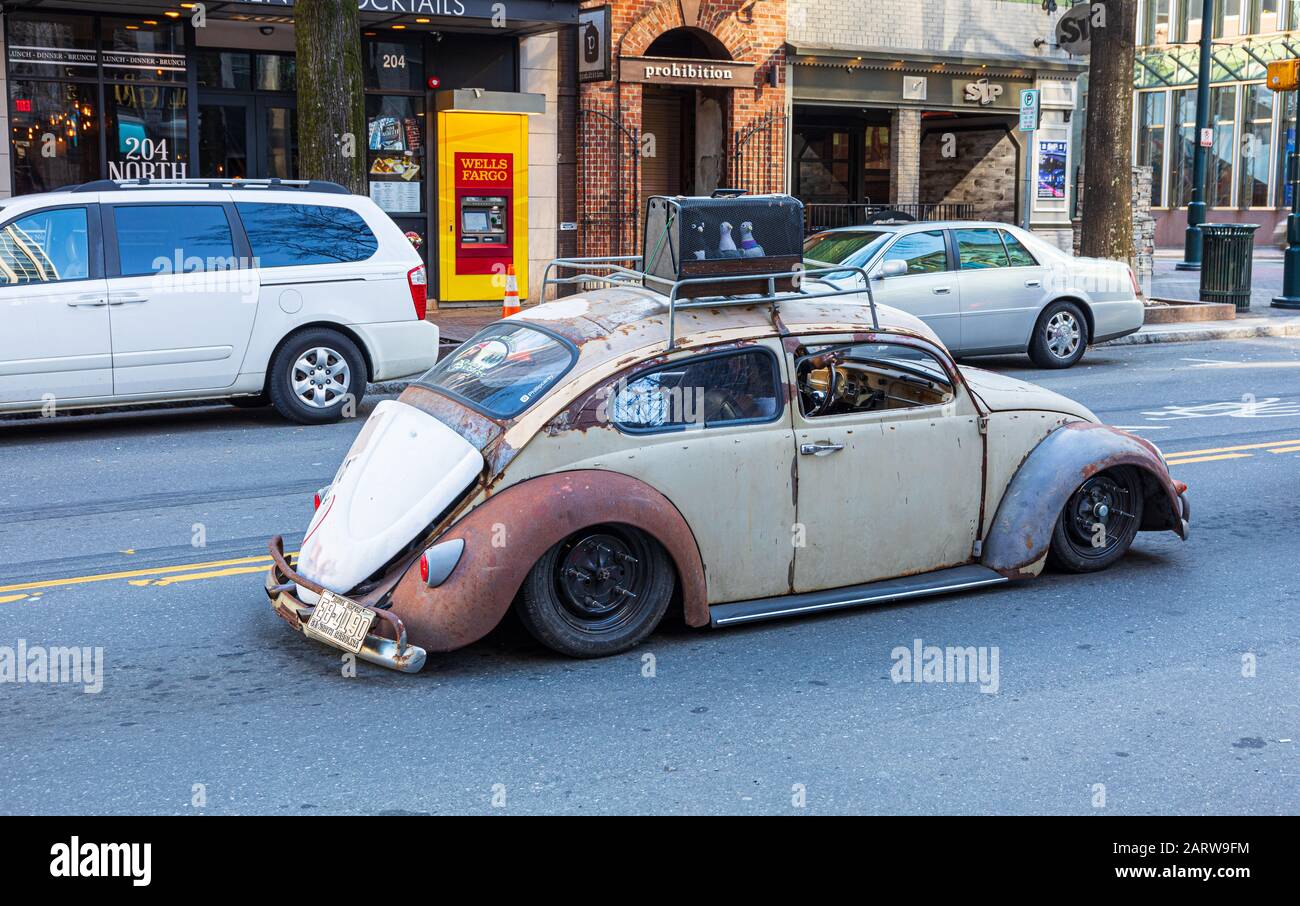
(1099, 522)
(600, 591)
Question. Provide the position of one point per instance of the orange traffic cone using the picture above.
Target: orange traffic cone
(510, 304)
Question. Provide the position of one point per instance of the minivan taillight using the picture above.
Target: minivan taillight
(419, 283)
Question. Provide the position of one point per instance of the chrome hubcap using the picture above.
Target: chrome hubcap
(1063, 334)
(320, 377)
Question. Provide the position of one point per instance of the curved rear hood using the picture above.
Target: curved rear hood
(404, 468)
(1000, 393)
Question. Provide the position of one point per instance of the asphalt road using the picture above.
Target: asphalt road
(1132, 679)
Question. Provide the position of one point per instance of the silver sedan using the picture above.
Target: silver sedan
(986, 288)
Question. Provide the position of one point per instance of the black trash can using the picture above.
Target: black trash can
(1227, 251)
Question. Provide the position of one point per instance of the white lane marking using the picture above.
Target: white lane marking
(1289, 363)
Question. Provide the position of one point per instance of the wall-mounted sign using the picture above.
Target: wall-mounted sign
(1207, 137)
(1029, 109)
(669, 71)
(1074, 30)
(915, 88)
(1051, 170)
(53, 56)
(519, 10)
(983, 92)
(482, 171)
(593, 44)
(130, 59)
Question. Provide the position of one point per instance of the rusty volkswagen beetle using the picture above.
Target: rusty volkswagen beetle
(597, 460)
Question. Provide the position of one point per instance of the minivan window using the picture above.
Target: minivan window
(283, 235)
(503, 369)
(173, 238)
(45, 247)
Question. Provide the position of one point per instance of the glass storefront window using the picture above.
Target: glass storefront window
(1256, 146)
(225, 69)
(1227, 19)
(1265, 16)
(134, 50)
(822, 171)
(1189, 21)
(394, 65)
(54, 127)
(395, 158)
(276, 72)
(1151, 141)
(51, 47)
(148, 132)
(1223, 105)
(1286, 146)
(1184, 151)
(1155, 23)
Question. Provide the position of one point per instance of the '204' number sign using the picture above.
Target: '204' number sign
(145, 158)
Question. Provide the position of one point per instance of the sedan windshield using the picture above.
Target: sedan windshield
(839, 247)
(503, 369)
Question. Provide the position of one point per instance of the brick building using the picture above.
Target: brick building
(674, 96)
(915, 102)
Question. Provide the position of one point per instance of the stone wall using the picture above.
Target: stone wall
(983, 171)
(1144, 225)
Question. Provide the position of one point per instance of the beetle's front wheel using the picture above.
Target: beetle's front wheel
(1099, 523)
(600, 591)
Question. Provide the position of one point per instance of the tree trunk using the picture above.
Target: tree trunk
(331, 96)
(1108, 151)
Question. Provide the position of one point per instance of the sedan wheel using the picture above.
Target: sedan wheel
(1060, 336)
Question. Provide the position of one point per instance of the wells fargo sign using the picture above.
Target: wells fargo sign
(484, 171)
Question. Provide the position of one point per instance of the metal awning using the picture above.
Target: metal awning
(927, 61)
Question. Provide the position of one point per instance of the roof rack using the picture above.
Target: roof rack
(613, 271)
(305, 185)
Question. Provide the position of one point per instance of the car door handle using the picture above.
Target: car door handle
(88, 301)
(820, 448)
(941, 290)
(1033, 283)
(133, 299)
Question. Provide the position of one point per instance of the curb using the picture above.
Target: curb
(1289, 328)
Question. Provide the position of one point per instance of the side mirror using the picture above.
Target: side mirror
(894, 268)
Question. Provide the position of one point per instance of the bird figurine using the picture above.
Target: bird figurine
(749, 247)
(727, 245)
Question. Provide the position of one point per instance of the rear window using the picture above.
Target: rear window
(284, 235)
(503, 369)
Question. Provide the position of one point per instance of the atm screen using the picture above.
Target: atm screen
(474, 222)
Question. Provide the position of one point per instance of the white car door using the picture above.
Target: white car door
(1002, 290)
(929, 287)
(890, 463)
(182, 298)
(54, 329)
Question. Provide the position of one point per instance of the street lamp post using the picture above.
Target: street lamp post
(1196, 210)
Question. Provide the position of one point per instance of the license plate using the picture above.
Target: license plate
(340, 622)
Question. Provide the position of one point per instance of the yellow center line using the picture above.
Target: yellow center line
(136, 573)
(1271, 443)
(1183, 462)
(1285, 450)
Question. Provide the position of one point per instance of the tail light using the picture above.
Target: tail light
(418, 280)
(316, 501)
(438, 561)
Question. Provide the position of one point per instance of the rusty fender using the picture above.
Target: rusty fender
(1022, 529)
(525, 520)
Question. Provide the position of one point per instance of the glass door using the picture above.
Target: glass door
(226, 137)
(277, 137)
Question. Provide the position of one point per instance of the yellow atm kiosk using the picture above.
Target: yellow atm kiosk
(482, 141)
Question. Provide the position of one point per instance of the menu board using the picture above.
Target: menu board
(397, 197)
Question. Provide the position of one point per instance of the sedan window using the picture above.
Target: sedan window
(705, 392)
(839, 247)
(1019, 255)
(870, 377)
(924, 253)
(980, 249)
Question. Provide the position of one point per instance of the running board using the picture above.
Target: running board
(958, 578)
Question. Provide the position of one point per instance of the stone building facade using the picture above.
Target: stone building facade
(911, 102)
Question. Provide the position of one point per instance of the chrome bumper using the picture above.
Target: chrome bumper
(395, 653)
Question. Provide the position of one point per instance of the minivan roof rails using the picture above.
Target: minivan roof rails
(305, 185)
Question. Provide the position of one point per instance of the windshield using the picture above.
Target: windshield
(503, 369)
(836, 248)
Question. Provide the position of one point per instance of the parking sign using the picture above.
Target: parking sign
(1028, 109)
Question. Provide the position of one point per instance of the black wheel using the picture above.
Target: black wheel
(1099, 522)
(1060, 336)
(250, 402)
(315, 375)
(600, 591)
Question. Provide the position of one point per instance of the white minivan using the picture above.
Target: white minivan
(292, 293)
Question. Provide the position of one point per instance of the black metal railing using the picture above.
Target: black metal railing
(820, 216)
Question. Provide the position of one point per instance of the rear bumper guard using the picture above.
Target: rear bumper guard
(281, 584)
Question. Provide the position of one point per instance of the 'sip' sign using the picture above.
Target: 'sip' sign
(1028, 109)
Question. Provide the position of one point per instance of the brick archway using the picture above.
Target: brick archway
(715, 18)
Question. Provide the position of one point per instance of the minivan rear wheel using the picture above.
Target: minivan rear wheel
(317, 377)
